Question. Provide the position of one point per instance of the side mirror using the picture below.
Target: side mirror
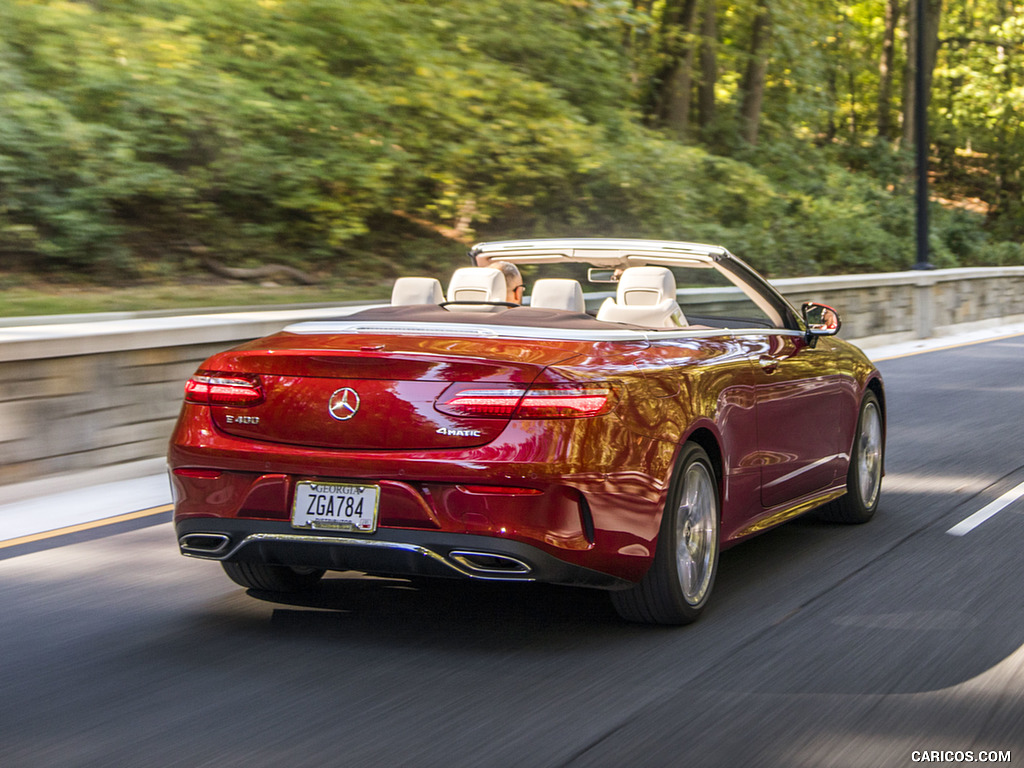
(821, 320)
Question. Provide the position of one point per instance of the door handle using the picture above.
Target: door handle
(768, 363)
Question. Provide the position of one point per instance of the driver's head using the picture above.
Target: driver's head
(514, 288)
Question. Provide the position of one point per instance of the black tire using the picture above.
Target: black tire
(864, 478)
(676, 588)
(272, 578)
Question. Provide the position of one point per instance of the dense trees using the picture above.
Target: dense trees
(144, 136)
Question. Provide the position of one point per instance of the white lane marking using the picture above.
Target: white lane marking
(942, 343)
(899, 482)
(969, 524)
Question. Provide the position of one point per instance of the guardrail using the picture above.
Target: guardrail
(93, 395)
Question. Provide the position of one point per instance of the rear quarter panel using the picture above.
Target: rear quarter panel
(678, 389)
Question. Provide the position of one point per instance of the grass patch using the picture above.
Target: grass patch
(25, 297)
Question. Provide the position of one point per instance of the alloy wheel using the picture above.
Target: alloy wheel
(696, 533)
(869, 455)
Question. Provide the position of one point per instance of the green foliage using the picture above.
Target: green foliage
(141, 136)
(978, 109)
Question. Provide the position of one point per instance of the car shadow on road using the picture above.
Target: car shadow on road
(358, 605)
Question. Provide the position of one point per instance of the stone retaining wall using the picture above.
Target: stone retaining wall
(903, 306)
(89, 395)
(96, 394)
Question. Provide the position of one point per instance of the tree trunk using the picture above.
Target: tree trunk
(831, 129)
(933, 11)
(677, 81)
(632, 39)
(853, 104)
(752, 86)
(708, 64)
(892, 18)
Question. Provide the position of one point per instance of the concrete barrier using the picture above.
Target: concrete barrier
(95, 395)
(902, 306)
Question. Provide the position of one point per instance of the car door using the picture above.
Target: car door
(799, 397)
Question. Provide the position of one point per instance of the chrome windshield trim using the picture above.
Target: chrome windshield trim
(566, 249)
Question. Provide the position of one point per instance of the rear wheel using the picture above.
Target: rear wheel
(864, 478)
(678, 584)
(272, 578)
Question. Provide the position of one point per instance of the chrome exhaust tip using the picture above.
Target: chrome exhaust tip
(489, 563)
(204, 543)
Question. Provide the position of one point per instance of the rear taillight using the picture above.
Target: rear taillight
(574, 402)
(210, 388)
(550, 401)
(485, 403)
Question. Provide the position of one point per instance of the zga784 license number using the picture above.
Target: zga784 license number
(335, 506)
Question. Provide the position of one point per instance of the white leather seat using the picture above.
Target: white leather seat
(416, 290)
(646, 296)
(558, 293)
(477, 284)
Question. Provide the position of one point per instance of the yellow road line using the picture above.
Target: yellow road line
(86, 526)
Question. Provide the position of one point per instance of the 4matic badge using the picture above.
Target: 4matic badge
(459, 432)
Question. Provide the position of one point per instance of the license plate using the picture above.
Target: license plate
(335, 506)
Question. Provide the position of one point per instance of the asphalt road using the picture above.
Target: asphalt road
(825, 645)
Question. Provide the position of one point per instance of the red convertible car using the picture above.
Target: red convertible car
(620, 448)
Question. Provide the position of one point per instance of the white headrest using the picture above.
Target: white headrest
(416, 290)
(477, 284)
(558, 293)
(664, 314)
(644, 286)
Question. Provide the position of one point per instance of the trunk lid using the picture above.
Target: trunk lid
(370, 392)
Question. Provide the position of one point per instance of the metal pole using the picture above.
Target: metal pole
(921, 140)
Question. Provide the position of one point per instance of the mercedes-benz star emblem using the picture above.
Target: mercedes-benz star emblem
(344, 404)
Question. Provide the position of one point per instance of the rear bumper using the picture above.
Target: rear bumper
(586, 494)
(388, 552)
